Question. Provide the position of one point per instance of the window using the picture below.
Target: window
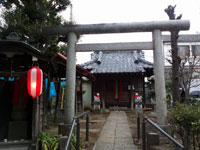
(195, 50)
(138, 84)
(183, 51)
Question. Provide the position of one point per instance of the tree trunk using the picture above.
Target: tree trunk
(175, 58)
(194, 143)
(187, 95)
(187, 140)
(175, 67)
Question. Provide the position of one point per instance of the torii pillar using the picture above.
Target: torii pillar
(69, 103)
(160, 94)
(154, 26)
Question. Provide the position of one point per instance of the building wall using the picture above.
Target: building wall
(117, 90)
(189, 49)
(185, 49)
(87, 95)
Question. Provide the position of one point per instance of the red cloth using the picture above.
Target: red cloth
(20, 92)
(120, 91)
(98, 97)
(136, 96)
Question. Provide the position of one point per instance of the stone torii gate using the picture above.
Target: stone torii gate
(156, 27)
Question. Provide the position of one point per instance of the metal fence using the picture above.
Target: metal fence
(77, 123)
(146, 119)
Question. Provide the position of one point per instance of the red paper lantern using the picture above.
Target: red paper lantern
(34, 83)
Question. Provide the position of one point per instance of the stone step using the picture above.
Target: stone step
(93, 121)
(160, 147)
(91, 130)
(14, 145)
(116, 108)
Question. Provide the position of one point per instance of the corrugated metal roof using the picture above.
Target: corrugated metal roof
(118, 62)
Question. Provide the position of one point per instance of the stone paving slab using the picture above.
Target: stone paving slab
(128, 140)
(106, 140)
(91, 130)
(103, 146)
(123, 146)
(116, 133)
(91, 121)
(107, 134)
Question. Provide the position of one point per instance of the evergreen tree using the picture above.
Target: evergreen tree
(26, 17)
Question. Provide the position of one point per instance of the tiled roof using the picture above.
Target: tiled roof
(183, 38)
(118, 62)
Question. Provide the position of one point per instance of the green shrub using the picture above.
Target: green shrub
(73, 143)
(49, 142)
(186, 121)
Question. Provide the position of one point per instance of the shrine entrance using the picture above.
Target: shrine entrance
(156, 27)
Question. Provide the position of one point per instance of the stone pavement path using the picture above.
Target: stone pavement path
(116, 134)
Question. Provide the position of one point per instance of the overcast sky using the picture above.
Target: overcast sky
(121, 11)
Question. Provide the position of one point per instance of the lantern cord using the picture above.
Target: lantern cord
(11, 67)
(35, 63)
(62, 99)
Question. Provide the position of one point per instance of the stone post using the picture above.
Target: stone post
(63, 142)
(69, 104)
(35, 124)
(131, 94)
(160, 91)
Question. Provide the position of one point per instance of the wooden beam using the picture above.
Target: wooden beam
(15, 74)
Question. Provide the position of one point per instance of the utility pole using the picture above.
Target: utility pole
(175, 57)
(71, 13)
